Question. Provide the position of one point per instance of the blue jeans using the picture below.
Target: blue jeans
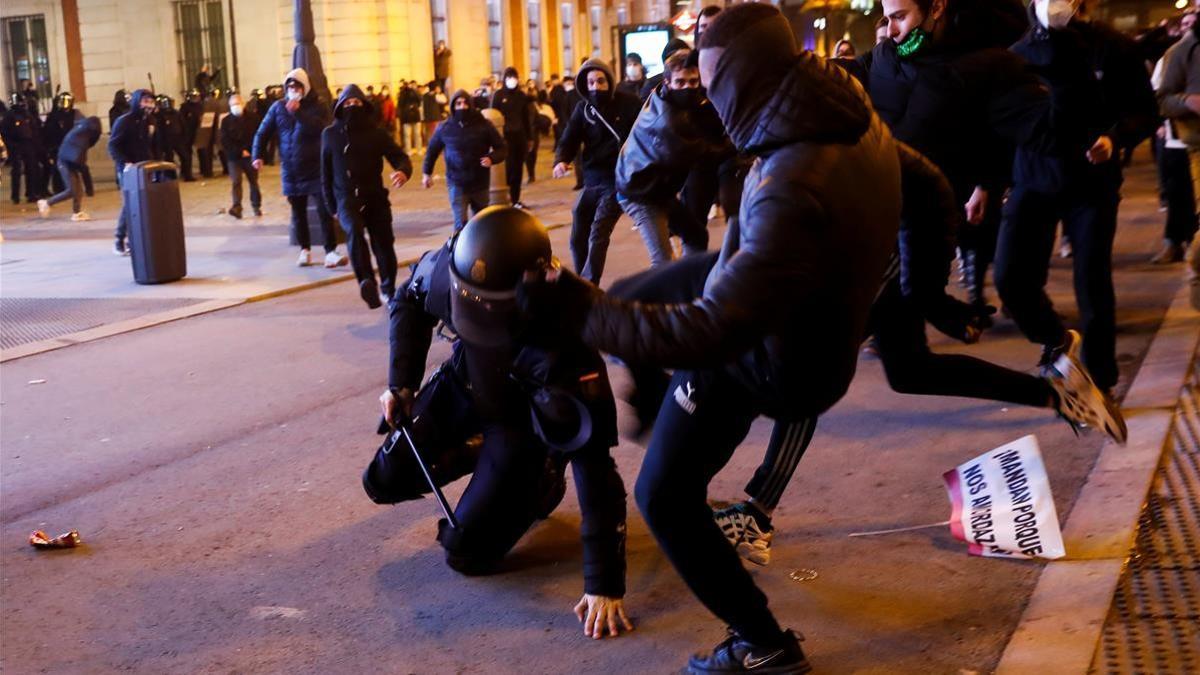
(651, 222)
(462, 196)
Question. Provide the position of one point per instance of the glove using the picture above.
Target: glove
(555, 304)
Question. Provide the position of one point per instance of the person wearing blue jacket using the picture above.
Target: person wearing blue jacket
(72, 166)
(472, 146)
(129, 142)
(299, 119)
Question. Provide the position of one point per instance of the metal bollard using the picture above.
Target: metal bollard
(498, 192)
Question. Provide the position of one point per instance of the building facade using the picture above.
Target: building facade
(94, 47)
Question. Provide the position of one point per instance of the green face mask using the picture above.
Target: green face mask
(916, 41)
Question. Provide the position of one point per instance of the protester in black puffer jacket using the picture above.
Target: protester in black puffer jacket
(678, 131)
(472, 147)
(352, 152)
(601, 123)
(1098, 74)
(777, 329)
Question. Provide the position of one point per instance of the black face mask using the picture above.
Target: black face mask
(599, 98)
(460, 115)
(685, 98)
(356, 116)
(1196, 29)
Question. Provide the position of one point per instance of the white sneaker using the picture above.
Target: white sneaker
(43, 208)
(305, 258)
(1079, 401)
(80, 217)
(335, 259)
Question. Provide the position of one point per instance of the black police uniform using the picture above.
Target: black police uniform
(508, 490)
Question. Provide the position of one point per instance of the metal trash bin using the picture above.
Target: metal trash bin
(151, 194)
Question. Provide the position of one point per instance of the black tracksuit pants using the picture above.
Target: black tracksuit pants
(371, 217)
(181, 152)
(515, 166)
(1023, 252)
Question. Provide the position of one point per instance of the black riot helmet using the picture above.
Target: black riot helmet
(164, 102)
(193, 95)
(488, 258)
(64, 101)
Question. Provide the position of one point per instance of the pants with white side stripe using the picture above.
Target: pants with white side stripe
(788, 442)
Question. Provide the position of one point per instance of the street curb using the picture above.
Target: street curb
(108, 330)
(206, 307)
(1063, 622)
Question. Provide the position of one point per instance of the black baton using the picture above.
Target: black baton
(402, 431)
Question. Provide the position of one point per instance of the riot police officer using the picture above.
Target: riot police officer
(171, 138)
(537, 409)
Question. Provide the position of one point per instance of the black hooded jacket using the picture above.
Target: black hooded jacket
(130, 142)
(80, 139)
(467, 139)
(1097, 72)
(352, 156)
(785, 307)
(601, 130)
(667, 142)
(965, 100)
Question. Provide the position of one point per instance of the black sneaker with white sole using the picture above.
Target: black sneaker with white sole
(736, 655)
(1077, 398)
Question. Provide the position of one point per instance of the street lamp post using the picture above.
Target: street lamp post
(306, 55)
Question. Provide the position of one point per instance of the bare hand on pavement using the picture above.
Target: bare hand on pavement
(598, 612)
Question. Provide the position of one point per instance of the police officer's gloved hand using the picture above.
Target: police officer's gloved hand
(555, 303)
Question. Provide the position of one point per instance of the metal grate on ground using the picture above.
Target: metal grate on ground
(25, 320)
(1154, 623)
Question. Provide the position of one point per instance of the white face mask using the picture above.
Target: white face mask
(1054, 14)
(569, 85)
(633, 72)
(235, 110)
(510, 82)
(294, 95)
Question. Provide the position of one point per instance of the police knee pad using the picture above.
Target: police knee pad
(463, 554)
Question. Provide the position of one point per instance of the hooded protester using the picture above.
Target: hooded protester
(299, 120)
(21, 130)
(676, 131)
(131, 141)
(352, 152)
(172, 137)
(472, 147)
(1096, 72)
(237, 140)
(600, 123)
(59, 121)
(512, 390)
(72, 165)
(518, 110)
(932, 213)
(807, 246)
(674, 45)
